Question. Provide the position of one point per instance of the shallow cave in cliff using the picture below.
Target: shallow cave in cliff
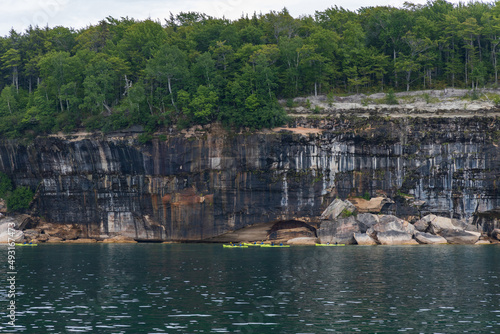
(290, 229)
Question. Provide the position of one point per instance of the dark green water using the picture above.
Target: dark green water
(196, 288)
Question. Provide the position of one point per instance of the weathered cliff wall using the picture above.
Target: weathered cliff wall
(211, 183)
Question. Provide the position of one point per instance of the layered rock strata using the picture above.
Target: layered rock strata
(208, 183)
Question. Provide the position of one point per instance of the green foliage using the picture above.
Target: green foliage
(474, 95)
(20, 199)
(366, 101)
(427, 98)
(204, 105)
(390, 97)
(366, 196)
(5, 185)
(330, 98)
(496, 100)
(402, 194)
(347, 213)
(145, 137)
(308, 104)
(199, 69)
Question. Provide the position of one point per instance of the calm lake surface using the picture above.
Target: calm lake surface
(203, 288)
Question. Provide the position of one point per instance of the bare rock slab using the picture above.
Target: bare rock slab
(374, 205)
(495, 234)
(395, 238)
(120, 239)
(460, 237)
(364, 239)
(439, 224)
(335, 209)
(16, 235)
(423, 224)
(339, 231)
(303, 241)
(429, 239)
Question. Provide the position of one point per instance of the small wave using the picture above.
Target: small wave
(253, 323)
(189, 315)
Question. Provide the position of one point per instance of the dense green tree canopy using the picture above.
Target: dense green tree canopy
(196, 69)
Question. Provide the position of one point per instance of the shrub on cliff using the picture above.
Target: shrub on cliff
(5, 185)
(19, 199)
(390, 97)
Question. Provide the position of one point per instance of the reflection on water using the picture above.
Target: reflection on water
(198, 288)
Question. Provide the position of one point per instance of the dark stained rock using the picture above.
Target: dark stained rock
(460, 237)
(466, 224)
(495, 234)
(366, 220)
(386, 223)
(339, 231)
(423, 224)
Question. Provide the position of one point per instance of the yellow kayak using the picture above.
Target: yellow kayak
(26, 244)
(252, 244)
(276, 246)
(234, 246)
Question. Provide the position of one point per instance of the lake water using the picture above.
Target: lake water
(203, 288)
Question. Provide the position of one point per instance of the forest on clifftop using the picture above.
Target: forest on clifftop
(196, 69)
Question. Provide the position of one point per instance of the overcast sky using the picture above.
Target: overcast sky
(19, 14)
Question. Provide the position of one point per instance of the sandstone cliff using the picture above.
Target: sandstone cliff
(206, 183)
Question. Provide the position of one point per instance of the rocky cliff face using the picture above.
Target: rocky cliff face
(200, 186)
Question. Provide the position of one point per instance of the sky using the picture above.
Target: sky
(20, 14)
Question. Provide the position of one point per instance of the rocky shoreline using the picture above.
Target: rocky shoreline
(351, 222)
(342, 223)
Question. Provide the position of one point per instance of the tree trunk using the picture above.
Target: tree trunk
(171, 95)
(395, 73)
(408, 76)
(107, 107)
(466, 60)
